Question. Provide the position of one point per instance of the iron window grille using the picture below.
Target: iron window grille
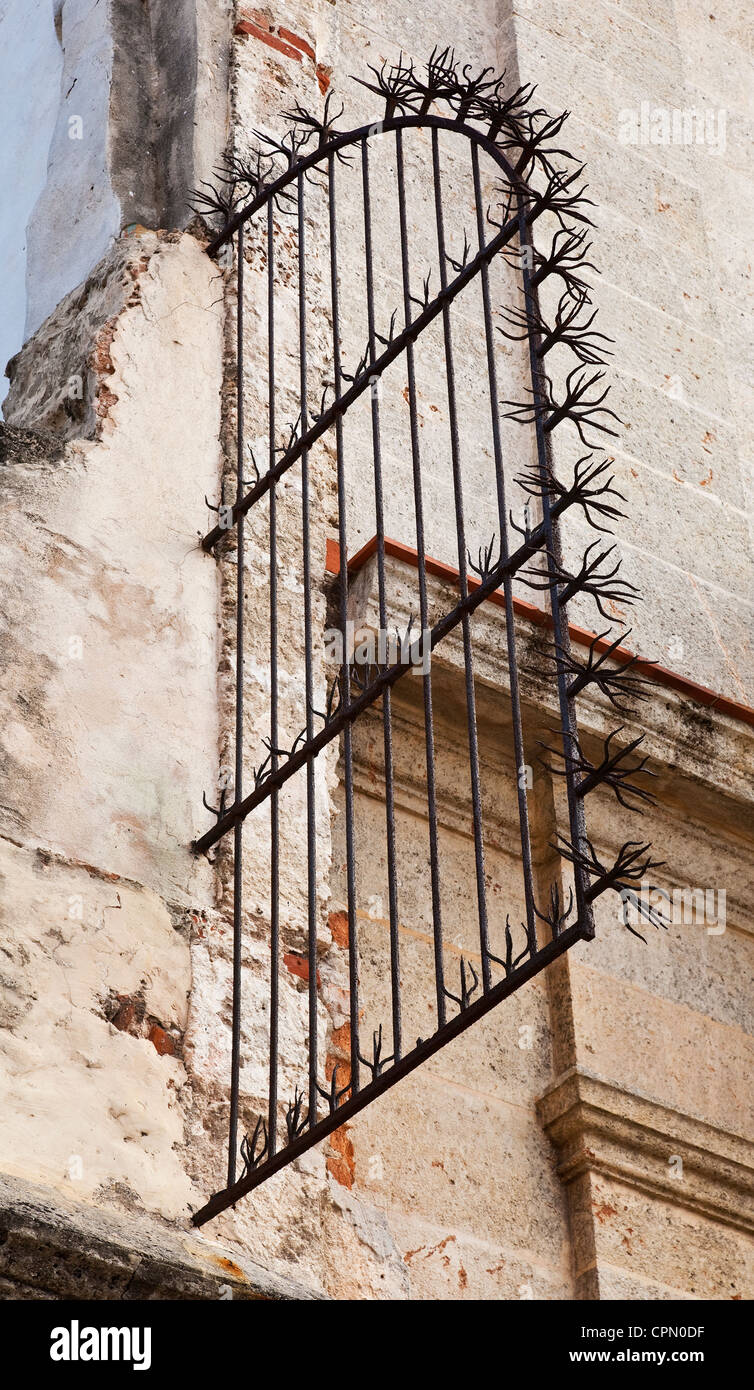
(538, 184)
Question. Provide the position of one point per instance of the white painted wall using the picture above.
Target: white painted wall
(60, 213)
(32, 64)
(76, 214)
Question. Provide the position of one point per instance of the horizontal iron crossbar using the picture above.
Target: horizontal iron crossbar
(425, 1048)
(386, 679)
(339, 407)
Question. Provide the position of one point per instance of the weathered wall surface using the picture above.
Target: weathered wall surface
(405, 1161)
(109, 733)
(592, 1138)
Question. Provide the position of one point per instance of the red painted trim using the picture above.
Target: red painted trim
(699, 693)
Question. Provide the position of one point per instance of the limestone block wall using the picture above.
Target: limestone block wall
(450, 1243)
(660, 97)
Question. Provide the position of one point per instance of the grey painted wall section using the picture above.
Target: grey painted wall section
(29, 98)
(77, 214)
(98, 108)
(152, 110)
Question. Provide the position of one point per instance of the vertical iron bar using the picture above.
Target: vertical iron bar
(235, 1059)
(576, 816)
(510, 630)
(429, 737)
(387, 697)
(311, 828)
(476, 799)
(274, 810)
(345, 674)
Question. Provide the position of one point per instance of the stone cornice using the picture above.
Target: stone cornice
(598, 1127)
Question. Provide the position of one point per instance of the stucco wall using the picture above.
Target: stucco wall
(104, 588)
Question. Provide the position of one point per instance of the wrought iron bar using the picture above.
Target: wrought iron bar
(274, 807)
(235, 1062)
(425, 1049)
(326, 420)
(468, 660)
(502, 511)
(303, 165)
(429, 737)
(367, 697)
(311, 811)
(387, 730)
(566, 702)
(345, 670)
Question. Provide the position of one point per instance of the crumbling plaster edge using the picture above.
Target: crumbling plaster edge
(76, 343)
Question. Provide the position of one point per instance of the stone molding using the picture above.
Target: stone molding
(598, 1127)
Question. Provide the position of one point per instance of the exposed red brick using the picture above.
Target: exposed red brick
(125, 1017)
(297, 42)
(100, 359)
(164, 1042)
(247, 26)
(332, 556)
(105, 401)
(341, 1164)
(126, 1013)
(298, 965)
(323, 77)
(339, 1052)
(259, 18)
(338, 924)
(339, 1055)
